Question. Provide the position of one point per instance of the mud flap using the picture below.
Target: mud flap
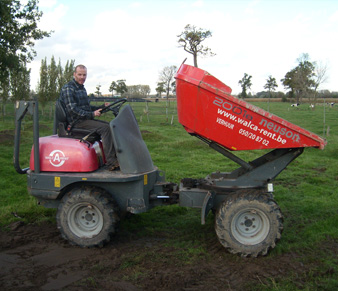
(192, 196)
(208, 203)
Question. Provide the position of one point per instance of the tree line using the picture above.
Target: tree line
(300, 82)
(52, 78)
(119, 88)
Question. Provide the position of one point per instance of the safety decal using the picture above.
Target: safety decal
(57, 182)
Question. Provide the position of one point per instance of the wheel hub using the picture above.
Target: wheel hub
(85, 220)
(88, 217)
(248, 222)
(250, 226)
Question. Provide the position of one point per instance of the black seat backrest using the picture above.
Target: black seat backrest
(62, 125)
(61, 119)
(60, 111)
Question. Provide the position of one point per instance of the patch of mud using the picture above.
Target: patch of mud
(319, 169)
(35, 257)
(145, 131)
(6, 136)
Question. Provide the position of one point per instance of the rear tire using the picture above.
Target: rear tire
(87, 217)
(249, 224)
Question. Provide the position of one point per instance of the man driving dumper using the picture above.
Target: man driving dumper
(81, 114)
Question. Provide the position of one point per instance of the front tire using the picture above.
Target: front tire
(249, 224)
(87, 217)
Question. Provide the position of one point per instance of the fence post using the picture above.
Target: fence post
(147, 110)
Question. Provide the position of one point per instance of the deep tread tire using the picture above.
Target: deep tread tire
(87, 217)
(249, 223)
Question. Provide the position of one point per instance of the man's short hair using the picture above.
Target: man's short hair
(80, 66)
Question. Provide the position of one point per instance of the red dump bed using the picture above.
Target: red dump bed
(206, 108)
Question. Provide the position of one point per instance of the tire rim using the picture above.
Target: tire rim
(250, 226)
(85, 220)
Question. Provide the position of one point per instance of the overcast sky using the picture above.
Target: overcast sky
(135, 40)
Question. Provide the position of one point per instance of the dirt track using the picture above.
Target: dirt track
(35, 257)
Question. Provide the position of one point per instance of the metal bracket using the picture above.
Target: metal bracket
(208, 203)
(22, 107)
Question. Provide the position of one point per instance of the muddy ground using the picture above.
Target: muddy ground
(35, 257)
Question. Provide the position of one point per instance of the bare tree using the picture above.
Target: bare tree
(191, 38)
(320, 76)
(145, 90)
(166, 77)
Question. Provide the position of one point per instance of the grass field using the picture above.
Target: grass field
(307, 191)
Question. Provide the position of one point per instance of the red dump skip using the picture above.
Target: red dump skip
(205, 107)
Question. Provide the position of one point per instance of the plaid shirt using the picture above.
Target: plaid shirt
(74, 98)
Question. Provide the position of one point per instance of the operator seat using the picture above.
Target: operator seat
(64, 129)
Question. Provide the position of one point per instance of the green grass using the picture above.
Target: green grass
(307, 192)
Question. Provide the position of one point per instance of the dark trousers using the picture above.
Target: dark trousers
(103, 129)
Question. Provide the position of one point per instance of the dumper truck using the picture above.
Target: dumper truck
(66, 169)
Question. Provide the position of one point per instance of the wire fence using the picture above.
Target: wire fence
(155, 111)
(163, 111)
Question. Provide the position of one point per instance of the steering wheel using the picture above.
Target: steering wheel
(115, 106)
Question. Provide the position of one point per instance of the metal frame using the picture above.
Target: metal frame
(22, 107)
(210, 192)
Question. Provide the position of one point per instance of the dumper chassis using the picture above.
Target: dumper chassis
(67, 168)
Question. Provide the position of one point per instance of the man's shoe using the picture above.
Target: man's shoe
(112, 167)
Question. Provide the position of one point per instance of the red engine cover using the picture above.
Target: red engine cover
(59, 154)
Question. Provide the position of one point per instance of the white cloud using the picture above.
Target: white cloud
(52, 20)
(251, 8)
(198, 3)
(334, 17)
(135, 5)
(47, 3)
